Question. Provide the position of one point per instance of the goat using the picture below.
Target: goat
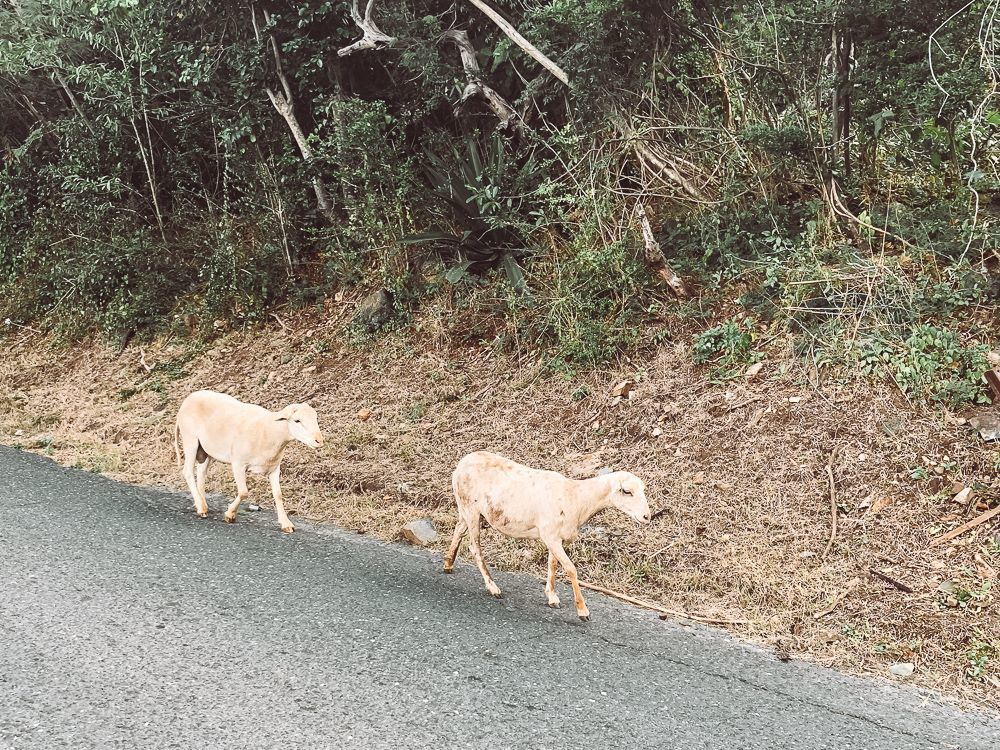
(213, 426)
(528, 503)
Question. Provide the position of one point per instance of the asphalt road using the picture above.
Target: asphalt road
(126, 622)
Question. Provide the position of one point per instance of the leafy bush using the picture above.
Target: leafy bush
(728, 347)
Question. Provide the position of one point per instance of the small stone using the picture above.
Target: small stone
(807, 554)
(18, 433)
(862, 457)
(253, 508)
(375, 310)
(988, 426)
(364, 415)
(794, 399)
(420, 532)
(754, 370)
(901, 669)
(657, 432)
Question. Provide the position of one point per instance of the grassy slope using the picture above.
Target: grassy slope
(739, 471)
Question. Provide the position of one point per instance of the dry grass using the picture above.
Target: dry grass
(738, 471)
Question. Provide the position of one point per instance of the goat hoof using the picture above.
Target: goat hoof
(288, 529)
(230, 519)
(585, 618)
(447, 570)
(202, 515)
(555, 605)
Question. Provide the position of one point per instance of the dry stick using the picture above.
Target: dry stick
(521, 42)
(892, 581)
(833, 504)
(978, 520)
(851, 585)
(664, 612)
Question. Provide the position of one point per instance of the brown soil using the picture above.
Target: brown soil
(738, 473)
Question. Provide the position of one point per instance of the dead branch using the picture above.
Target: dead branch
(977, 521)
(476, 87)
(521, 42)
(655, 254)
(284, 103)
(373, 37)
(833, 503)
(664, 612)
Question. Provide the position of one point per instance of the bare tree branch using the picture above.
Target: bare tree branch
(373, 37)
(521, 42)
(475, 86)
(284, 103)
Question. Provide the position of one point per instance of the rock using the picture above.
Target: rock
(901, 669)
(375, 310)
(420, 532)
(657, 432)
(754, 370)
(623, 388)
(18, 433)
(253, 508)
(988, 426)
(963, 496)
(364, 415)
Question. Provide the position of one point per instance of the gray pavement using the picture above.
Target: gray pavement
(127, 622)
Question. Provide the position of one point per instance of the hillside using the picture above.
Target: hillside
(737, 473)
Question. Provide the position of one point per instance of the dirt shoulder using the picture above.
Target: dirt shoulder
(737, 473)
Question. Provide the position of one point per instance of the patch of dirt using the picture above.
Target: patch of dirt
(736, 475)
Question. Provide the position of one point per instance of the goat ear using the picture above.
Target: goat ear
(285, 413)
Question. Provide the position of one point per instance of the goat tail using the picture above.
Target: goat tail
(177, 447)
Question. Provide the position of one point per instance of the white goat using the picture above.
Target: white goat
(533, 504)
(215, 426)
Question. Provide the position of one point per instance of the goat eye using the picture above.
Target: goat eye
(297, 421)
(626, 492)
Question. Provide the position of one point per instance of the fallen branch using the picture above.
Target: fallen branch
(521, 42)
(851, 585)
(977, 521)
(833, 504)
(655, 254)
(664, 612)
(891, 581)
(373, 37)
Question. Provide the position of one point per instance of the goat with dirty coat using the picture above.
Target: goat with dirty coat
(213, 426)
(528, 503)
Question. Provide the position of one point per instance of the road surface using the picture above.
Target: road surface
(126, 622)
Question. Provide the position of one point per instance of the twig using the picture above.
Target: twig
(664, 612)
(521, 42)
(977, 521)
(892, 581)
(851, 585)
(280, 321)
(833, 504)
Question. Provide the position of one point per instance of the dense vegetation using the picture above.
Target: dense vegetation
(818, 172)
